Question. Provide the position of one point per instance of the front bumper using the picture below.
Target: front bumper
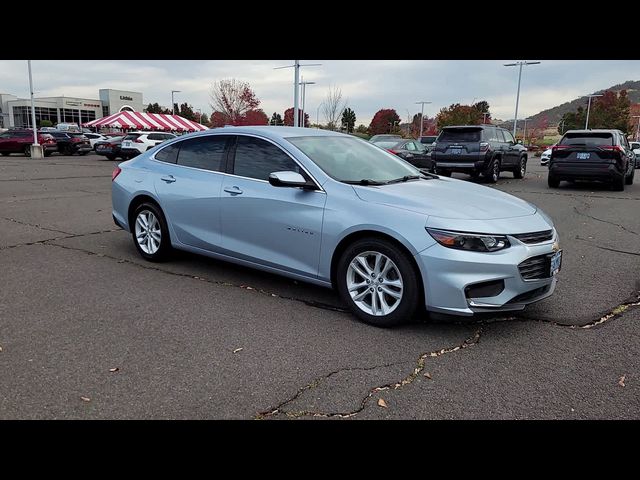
(448, 272)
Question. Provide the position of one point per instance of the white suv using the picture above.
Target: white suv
(135, 143)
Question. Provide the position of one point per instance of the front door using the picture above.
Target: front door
(279, 227)
(511, 155)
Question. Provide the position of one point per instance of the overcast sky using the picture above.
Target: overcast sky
(369, 85)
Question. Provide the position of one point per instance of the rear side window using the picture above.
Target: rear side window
(453, 135)
(131, 136)
(410, 146)
(508, 137)
(256, 158)
(491, 135)
(155, 136)
(587, 139)
(204, 152)
(168, 154)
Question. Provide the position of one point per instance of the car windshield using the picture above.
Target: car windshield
(460, 135)
(353, 160)
(132, 136)
(386, 144)
(76, 135)
(428, 139)
(587, 139)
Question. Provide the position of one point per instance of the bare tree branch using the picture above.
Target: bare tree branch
(233, 98)
(333, 106)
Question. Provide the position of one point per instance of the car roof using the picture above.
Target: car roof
(472, 126)
(274, 133)
(595, 130)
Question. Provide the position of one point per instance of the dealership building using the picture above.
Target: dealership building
(16, 112)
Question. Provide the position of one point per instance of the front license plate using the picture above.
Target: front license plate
(556, 262)
(456, 151)
(583, 156)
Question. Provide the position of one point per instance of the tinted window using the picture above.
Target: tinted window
(204, 152)
(386, 144)
(166, 136)
(131, 136)
(154, 136)
(587, 139)
(168, 154)
(491, 135)
(428, 140)
(500, 136)
(624, 141)
(410, 146)
(508, 137)
(453, 135)
(257, 158)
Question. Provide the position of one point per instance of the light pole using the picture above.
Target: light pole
(562, 127)
(515, 121)
(637, 129)
(421, 116)
(199, 110)
(586, 123)
(484, 117)
(304, 91)
(173, 105)
(36, 148)
(296, 76)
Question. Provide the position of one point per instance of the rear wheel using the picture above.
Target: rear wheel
(475, 174)
(47, 153)
(629, 179)
(553, 181)
(67, 150)
(27, 150)
(82, 153)
(618, 184)
(521, 170)
(493, 172)
(111, 157)
(150, 232)
(378, 281)
(5, 154)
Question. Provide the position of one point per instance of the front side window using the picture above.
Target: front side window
(351, 160)
(508, 137)
(256, 158)
(206, 153)
(410, 146)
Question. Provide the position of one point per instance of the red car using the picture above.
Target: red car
(20, 141)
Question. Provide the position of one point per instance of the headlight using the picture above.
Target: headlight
(469, 241)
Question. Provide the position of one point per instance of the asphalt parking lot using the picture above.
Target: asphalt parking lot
(89, 330)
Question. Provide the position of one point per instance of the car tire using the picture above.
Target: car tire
(492, 173)
(553, 181)
(153, 244)
(475, 175)
(82, 154)
(629, 179)
(5, 154)
(110, 157)
(27, 150)
(401, 275)
(46, 153)
(67, 151)
(522, 170)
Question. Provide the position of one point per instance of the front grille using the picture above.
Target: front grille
(535, 268)
(535, 237)
(523, 297)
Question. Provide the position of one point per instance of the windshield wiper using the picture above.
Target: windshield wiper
(364, 181)
(406, 178)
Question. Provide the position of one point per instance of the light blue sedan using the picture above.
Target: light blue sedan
(336, 211)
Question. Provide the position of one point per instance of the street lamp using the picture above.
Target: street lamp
(304, 89)
(421, 116)
(173, 105)
(586, 123)
(484, 117)
(36, 149)
(515, 121)
(296, 76)
(637, 129)
(524, 135)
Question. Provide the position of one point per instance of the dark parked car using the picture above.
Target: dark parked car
(19, 141)
(478, 149)
(110, 148)
(408, 149)
(602, 155)
(427, 141)
(635, 146)
(70, 142)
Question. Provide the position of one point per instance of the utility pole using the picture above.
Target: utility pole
(36, 148)
(524, 136)
(296, 81)
(173, 105)
(586, 123)
(484, 117)
(520, 64)
(304, 93)
(422, 116)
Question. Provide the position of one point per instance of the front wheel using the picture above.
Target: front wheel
(553, 181)
(111, 157)
(521, 170)
(27, 150)
(379, 282)
(629, 179)
(150, 232)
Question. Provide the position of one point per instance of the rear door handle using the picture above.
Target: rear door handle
(168, 179)
(233, 190)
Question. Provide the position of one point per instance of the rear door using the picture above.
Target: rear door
(458, 145)
(188, 181)
(278, 227)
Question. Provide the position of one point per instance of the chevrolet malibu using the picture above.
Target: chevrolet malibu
(336, 211)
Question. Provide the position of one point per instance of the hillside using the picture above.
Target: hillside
(555, 114)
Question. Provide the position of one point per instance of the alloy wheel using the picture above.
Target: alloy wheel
(148, 232)
(374, 283)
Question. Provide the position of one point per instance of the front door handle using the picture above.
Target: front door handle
(168, 179)
(233, 190)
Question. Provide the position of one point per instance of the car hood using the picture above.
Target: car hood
(447, 198)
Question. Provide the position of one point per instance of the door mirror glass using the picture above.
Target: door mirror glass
(287, 179)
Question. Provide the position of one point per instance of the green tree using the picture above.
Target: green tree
(362, 129)
(156, 108)
(348, 119)
(204, 120)
(457, 114)
(276, 119)
(572, 120)
(46, 123)
(186, 111)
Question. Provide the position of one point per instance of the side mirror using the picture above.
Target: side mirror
(519, 142)
(287, 179)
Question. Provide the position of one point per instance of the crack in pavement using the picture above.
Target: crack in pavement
(310, 303)
(609, 249)
(420, 364)
(603, 221)
(89, 194)
(66, 236)
(49, 178)
(9, 219)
